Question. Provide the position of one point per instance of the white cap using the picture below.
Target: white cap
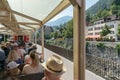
(12, 65)
(15, 44)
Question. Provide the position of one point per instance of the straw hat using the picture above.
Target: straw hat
(54, 65)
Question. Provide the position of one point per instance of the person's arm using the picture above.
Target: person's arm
(24, 71)
(44, 78)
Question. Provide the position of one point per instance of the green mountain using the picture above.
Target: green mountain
(100, 5)
(102, 9)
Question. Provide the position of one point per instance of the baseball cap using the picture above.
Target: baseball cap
(12, 65)
(15, 44)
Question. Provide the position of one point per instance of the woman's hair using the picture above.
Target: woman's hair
(12, 56)
(34, 57)
(7, 43)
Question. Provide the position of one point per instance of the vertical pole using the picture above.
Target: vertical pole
(29, 37)
(4, 37)
(35, 37)
(79, 41)
(43, 41)
(10, 16)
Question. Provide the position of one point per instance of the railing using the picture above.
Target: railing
(102, 62)
(61, 51)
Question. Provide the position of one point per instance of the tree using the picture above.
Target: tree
(115, 7)
(64, 30)
(99, 14)
(105, 31)
(54, 34)
(118, 31)
(116, 2)
(105, 13)
(88, 17)
(69, 29)
(117, 48)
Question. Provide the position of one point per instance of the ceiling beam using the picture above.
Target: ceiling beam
(4, 28)
(25, 29)
(28, 26)
(11, 17)
(64, 4)
(11, 22)
(11, 28)
(25, 16)
(24, 32)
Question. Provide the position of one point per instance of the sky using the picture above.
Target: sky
(69, 11)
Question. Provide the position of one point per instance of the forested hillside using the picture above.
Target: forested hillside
(100, 5)
(103, 8)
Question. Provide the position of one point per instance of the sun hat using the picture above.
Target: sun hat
(54, 65)
(12, 65)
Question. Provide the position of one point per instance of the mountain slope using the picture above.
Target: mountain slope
(100, 5)
(59, 21)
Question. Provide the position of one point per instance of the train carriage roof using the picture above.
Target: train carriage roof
(26, 16)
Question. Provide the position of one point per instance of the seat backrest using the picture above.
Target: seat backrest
(21, 67)
(36, 76)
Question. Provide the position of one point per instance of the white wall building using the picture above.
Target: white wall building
(94, 30)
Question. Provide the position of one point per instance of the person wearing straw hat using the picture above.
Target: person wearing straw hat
(54, 68)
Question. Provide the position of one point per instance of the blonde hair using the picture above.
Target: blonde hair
(34, 57)
(7, 43)
(12, 56)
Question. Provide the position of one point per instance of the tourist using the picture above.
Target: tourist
(13, 56)
(35, 66)
(54, 68)
(2, 59)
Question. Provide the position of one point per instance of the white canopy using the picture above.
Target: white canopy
(29, 14)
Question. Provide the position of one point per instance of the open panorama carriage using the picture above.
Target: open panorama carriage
(18, 19)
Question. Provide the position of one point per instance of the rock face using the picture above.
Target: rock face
(103, 61)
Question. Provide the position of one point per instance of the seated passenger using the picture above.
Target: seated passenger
(29, 48)
(27, 59)
(12, 70)
(34, 47)
(35, 66)
(2, 59)
(54, 68)
(7, 49)
(13, 56)
(19, 53)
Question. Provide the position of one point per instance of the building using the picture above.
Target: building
(48, 30)
(93, 31)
